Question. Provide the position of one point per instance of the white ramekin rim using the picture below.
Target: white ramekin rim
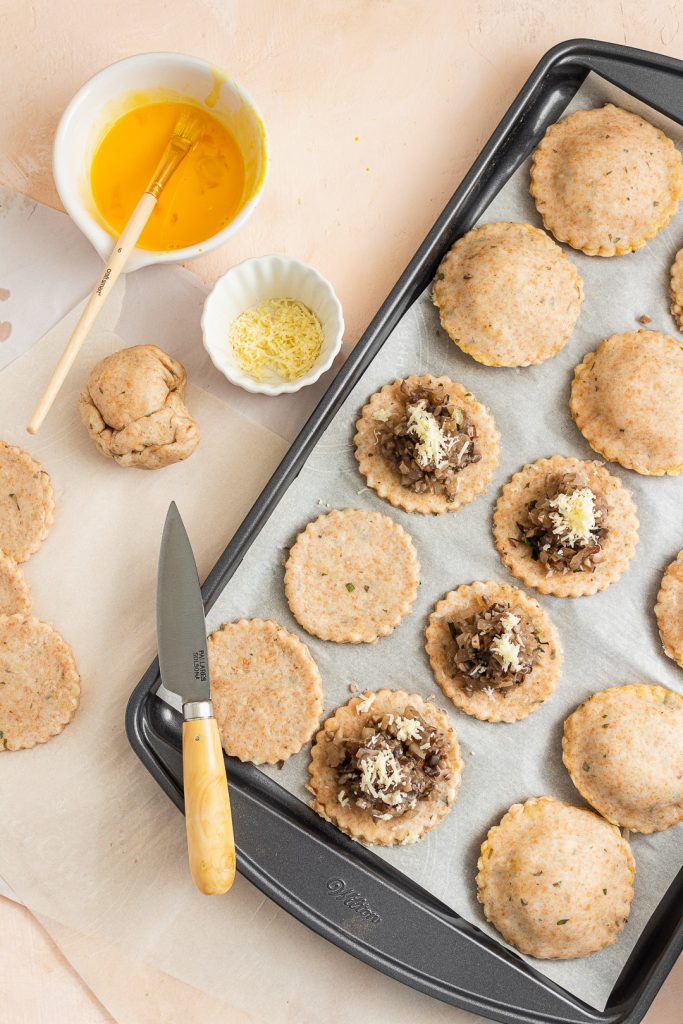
(67, 187)
(237, 376)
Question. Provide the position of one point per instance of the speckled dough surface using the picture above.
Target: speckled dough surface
(266, 690)
(555, 880)
(384, 478)
(14, 593)
(669, 610)
(676, 289)
(619, 546)
(40, 687)
(508, 295)
(351, 576)
(518, 701)
(347, 722)
(627, 398)
(623, 748)
(605, 180)
(26, 503)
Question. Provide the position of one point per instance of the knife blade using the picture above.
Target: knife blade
(182, 644)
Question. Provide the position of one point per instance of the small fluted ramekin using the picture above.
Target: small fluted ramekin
(253, 281)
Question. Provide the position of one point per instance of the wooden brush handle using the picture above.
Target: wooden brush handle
(117, 261)
(210, 841)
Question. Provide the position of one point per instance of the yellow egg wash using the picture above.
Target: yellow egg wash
(203, 195)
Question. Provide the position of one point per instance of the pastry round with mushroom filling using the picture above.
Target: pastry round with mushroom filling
(605, 180)
(565, 527)
(14, 592)
(676, 289)
(39, 683)
(351, 576)
(133, 407)
(556, 881)
(266, 690)
(669, 610)
(508, 295)
(26, 503)
(426, 445)
(623, 748)
(626, 400)
(494, 651)
(385, 768)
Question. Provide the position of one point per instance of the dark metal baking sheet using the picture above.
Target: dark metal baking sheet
(346, 894)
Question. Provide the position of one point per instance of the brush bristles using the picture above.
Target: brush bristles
(187, 128)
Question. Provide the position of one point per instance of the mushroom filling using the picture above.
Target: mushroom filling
(567, 527)
(431, 442)
(493, 649)
(394, 762)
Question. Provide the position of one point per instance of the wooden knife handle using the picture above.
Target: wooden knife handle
(210, 841)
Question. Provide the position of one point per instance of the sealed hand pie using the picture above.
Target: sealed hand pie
(133, 408)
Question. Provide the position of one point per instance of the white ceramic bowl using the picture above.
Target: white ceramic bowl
(152, 77)
(253, 281)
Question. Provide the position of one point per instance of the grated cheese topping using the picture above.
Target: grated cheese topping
(575, 516)
(280, 335)
(408, 729)
(379, 773)
(505, 647)
(433, 445)
(382, 415)
(365, 704)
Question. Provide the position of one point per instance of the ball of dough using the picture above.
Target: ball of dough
(133, 408)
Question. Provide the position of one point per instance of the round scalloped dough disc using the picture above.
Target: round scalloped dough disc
(351, 576)
(518, 701)
(669, 610)
(266, 690)
(347, 722)
(508, 295)
(14, 593)
(627, 398)
(40, 687)
(623, 748)
(556, 881)
(383, 477)
(605, 181)
(619, 546)
(26, 503)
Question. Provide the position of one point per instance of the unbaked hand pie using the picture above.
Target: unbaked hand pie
(556, 881)
(627, 398)
(508, 295)
(605, 180)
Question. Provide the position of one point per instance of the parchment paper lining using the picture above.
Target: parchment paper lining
(609, 638)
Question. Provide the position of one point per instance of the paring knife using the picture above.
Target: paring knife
(181, 639)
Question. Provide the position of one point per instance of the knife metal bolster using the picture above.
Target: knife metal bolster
(197, 709)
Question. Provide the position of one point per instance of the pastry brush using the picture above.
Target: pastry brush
(184, 138)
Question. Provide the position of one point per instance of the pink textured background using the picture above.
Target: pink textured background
(375, 109)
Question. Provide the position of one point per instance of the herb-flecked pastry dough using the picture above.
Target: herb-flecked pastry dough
(508, 295)
(669, 610)
(266, 690)
(40, 687)
(556, 881)
(676, 289)
(26, 503)
(565, 527)
(494, 651)
(605, 180)
(351, 576)
(134, 409)
(623, 748)
(425, 444)
(385, 768)
(627, 398)
(14, 592)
